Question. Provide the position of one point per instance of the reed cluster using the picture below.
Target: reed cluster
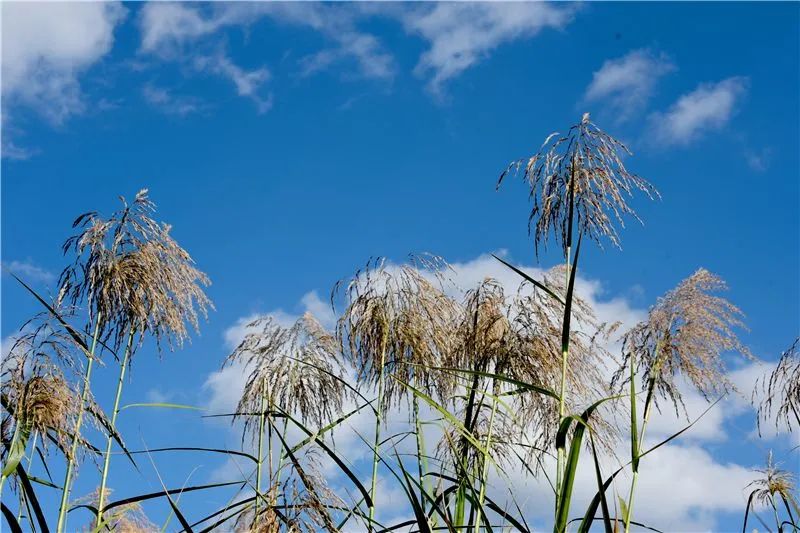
(523, 377)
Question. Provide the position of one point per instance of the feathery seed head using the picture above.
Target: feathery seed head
(134, 276)
(295, 369)
(686, 332)
(580, 172)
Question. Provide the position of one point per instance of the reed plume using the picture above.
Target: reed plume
(135, 280)
(686, 333)
(580, 173)
(781, 390)
(773, 487)
(294, 370)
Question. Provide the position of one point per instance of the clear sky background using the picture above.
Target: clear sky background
(289, 143)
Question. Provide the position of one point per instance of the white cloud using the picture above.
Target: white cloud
(247, 83)
(169, 29)
(46, 46)
(169, 103)
(758, 160)
(627, 83)
(28, 271)
(707, 108)
(462, 34)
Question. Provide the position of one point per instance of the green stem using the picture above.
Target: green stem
(648, 405)
(560, 452)
(114, 413)
(30, 464)
(282, 455)
(378, 420)
(422, 463)
(65, 490)
(261, 417)
(485, 473)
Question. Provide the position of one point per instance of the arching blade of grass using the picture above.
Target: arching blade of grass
(538, 284)
(591, 510)
(30, 496)
(419, 513)
(13, 525)
(198, 449)
(318, 433)
(582, 423)
(154, 495)
(333, 455)
(599, 476)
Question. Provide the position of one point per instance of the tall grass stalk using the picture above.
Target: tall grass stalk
(87, 378)
(638, 439)
(113, 428)
(485, 468)
(261, 417)
(378, 422)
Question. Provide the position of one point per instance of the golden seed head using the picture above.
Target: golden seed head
(134, 276)
(686, 333)
(580, 172)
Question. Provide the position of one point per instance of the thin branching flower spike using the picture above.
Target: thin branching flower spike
(134, 276)
(775, 488)
(781, 391)
(296, 369)
(579, 174)
(686, 333)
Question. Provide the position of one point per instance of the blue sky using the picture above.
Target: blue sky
(288, 143)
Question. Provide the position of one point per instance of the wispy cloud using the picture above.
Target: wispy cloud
(462, 34)
(708, 108)
(167, 102)
(627, 83)
(758, 160)
(29, 271)
(169, 29)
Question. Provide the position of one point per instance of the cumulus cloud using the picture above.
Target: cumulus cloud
(46, 46)
(627, 83)
(462, 34)
(168, 29)
(708, 108)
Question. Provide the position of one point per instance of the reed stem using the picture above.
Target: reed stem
(65, 489)
(110, 441)
(378, 421)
